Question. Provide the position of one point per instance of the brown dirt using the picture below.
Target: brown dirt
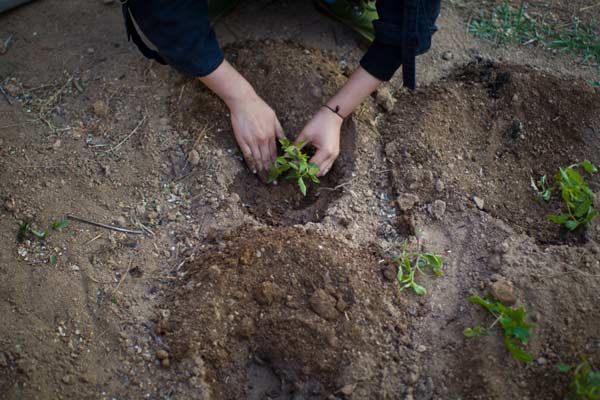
(191, 310)
(485, 131)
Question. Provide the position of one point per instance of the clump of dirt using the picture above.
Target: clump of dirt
(286, 305)
(480, 135)
(272, 68)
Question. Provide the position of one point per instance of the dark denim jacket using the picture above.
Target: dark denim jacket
(184, 38)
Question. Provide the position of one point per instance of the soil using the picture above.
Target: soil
(485, 131)
(241, 290)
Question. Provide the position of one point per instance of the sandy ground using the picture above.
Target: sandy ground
(226, 295)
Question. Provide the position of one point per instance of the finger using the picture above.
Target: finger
(326, 169)
(247, 153)
(265, 156)
(272, 151)
(279, 130)
(301, 138)
(256, 156)
(321, 158)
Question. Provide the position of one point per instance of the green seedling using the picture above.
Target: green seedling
(25, 229)
(586, 382)
(409, 263)
(60, 224)
(516, 331)
(541, 189)
(576, 194)
(296, 164)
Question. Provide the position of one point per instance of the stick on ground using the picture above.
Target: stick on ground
(111, 227)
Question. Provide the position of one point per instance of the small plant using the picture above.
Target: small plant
(26, 229)
(295, 162)
(411, 262)
(541, 189)
(60, 224)
(586, 382)
(576, 195)
(516, 331)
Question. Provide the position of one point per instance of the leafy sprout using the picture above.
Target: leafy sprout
(586, 382)
(409, 263)
(60, 224)
(516, 331)
(296, 164)
(576, 194)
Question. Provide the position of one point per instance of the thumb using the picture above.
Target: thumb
(279, 130)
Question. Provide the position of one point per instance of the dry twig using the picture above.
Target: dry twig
(111, 227)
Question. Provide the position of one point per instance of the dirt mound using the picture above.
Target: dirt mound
(283, 312)
(295, 91)
(485, 131)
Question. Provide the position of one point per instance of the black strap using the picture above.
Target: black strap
(411, 42)
(132, 34)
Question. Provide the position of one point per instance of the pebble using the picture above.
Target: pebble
(421, 348)
(542, 361)
(347, 390)
(407, 201)
(478, 202)
(384, 98)
(162, 354)
(194, 157)
(503, 291)
(323, 305)
(439, 186)
(438, 209)
(67, 379)
(447, 55)
(166, 363)
(100, 108)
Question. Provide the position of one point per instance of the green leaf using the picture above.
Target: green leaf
(60, 224)
(475, 331)
(589, 167)
(558, 219)
(563, 367)
(39, 234)
(571, 225)
(302, 186)
(420, 290)
(23, 231)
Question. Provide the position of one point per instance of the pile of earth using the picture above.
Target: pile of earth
(483, 133)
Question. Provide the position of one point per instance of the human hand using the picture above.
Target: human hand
(323, 132)
(256, 128)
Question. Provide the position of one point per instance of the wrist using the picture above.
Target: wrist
(243, 93)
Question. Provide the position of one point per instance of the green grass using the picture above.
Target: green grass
(505, 24)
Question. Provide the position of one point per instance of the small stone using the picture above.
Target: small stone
(267, 293)
(162, 354)
(75, 268)
(503, 291)
(439, 186)
(3, 360)
(194, 157)
(438, 209)
(478, 202)
(447, 55)
(407, 201)
(90, 50)
(56, 144)
(413, 378)
(89, 377)
(166, 363)
(67, 379)
(100, 108)
(347, 390)
(389, 272)
(384, 98)
(341, 305)
(542, 361)
(421, 348)
(323, 305)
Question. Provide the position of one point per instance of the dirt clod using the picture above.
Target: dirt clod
(194, 157)
(438, 209)
(323, 304)
(100, 108)
(267, 293)
(407, 201)
(503, 291)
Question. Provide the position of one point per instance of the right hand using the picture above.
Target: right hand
(256, 128)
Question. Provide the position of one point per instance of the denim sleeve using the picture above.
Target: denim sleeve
(384, 56)
(181, 32)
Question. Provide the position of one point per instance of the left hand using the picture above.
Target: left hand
(323, 132)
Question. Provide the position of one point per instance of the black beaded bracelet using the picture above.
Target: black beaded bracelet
(335, 110)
